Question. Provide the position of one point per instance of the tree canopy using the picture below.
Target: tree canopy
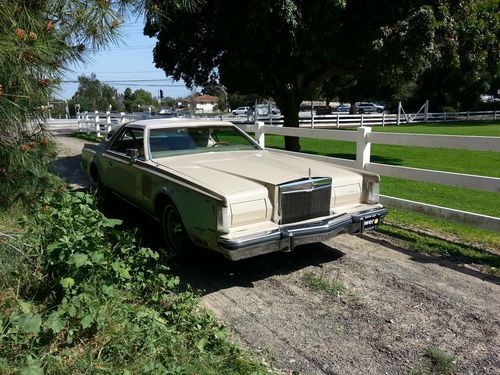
(93, 95)
(140, 97)
(287, 49)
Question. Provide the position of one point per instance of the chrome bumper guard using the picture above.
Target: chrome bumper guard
(288, 236)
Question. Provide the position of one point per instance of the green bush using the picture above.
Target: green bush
(80, 296)
(24, 175)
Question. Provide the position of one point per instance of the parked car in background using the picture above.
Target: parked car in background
(166, 112)
(210, 184)
(369, 107)
(323, 110)
(241, 111)
(344, 107)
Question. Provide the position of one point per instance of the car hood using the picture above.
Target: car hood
(236, 174)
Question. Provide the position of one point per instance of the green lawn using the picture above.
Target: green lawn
(478, 128)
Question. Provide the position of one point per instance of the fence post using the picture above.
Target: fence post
(97, 125)
(468, 114)
(363, 147)
(108, 121)
(338, 120)
(312, 113)
(426, 110)
(444, 116)
(383, 119)
(87, 121)
(259, 133)
(79, 119)
(495, 115)
(362, 120)
(399, 114)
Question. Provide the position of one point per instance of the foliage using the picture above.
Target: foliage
(93, 95)
(468, 63)
(39, 41)
(79, 295)
(134, 100)
(288, 49)
(24, 169)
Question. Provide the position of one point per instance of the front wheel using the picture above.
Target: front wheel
(174, 233)
(103, 192)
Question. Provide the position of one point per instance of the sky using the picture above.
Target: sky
(129, 63)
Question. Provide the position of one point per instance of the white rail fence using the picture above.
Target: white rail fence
(102, 122)
(364, 138)
(345, 120)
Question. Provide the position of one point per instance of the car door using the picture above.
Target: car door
(120, 173)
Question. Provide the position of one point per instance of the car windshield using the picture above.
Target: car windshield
(174, 141)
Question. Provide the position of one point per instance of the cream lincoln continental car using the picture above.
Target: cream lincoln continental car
(211, 184)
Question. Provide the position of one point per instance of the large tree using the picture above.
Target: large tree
(93, 95)
(286, 49)
(462, 61)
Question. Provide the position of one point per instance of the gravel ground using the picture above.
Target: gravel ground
(390, 305)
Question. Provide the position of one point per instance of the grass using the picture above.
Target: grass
(441, 228)
(429, 244)
(442, 363)
(482, 128)
(319, 283)
(482, 202)
(89, 137)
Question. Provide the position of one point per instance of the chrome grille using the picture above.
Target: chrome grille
(304, 199)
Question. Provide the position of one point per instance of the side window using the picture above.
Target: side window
(130, 138)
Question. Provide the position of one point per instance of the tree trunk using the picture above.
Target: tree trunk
(352, 111)
(289, 106)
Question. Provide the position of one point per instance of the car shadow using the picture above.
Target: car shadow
(70, 170)
(205, 271)
(454, 263)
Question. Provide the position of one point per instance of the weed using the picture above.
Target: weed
(442, 363)
(81, 296)
(318, 283)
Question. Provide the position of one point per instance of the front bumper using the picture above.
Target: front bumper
(288, 236)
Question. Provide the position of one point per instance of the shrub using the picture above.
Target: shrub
(82, 295)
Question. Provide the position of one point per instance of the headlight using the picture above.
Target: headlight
(223, 219)
(373, 192)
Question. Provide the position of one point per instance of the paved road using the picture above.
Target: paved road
(391, 306)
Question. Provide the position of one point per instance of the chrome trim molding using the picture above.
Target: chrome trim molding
(287, 237)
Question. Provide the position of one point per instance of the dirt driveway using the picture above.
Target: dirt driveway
(352, 305)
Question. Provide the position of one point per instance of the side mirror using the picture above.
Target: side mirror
(132, 153)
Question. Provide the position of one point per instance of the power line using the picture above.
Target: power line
(135, 71)
(130, 80)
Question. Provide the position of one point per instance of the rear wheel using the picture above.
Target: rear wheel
(174, 233)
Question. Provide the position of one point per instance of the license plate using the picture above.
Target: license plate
(371, 223)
